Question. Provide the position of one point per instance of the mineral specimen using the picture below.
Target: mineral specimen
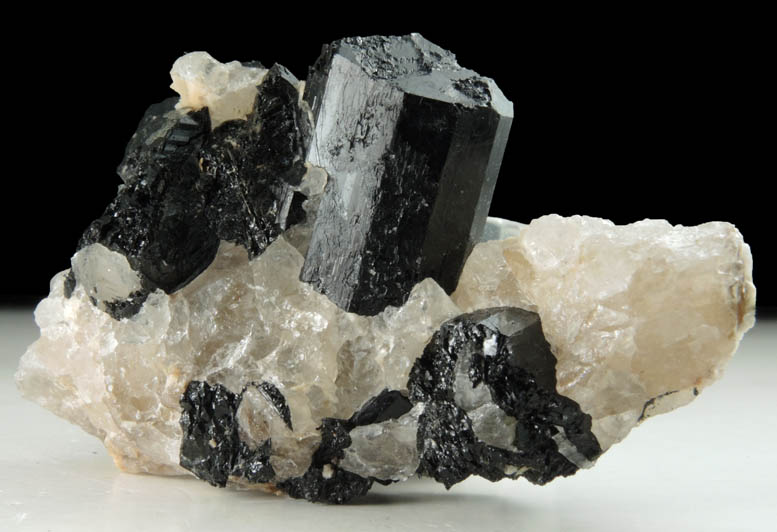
(224, 318)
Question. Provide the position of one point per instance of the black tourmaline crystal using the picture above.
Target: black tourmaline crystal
(211, 447)
(412, 143)
(188, 186)
(503, 349)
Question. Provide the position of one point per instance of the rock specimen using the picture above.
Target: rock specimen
(218, 319)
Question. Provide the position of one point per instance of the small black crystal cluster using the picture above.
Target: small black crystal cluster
(519, 371)
(188, 186)
(411, 144)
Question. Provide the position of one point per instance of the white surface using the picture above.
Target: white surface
(709, 466)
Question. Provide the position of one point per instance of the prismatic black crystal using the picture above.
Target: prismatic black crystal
(412, 144)
(188, 186)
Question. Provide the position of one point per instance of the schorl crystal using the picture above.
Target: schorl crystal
(214, 451)
(187, 187)
(412, 143)
(325, 480)
(211, 446)
(484, 390)
(486, 359)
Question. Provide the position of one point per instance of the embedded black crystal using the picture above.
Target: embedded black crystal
(389, 404)
(448, 447)
(249, 166)
(339, 486)
(69, 284)
(156, 218)
(496, 357)
(412, 144)
(125, 308)
(275, 397)
(210, 441)
(505, 350)
(211, 447)
(213, 450)
(188, 186)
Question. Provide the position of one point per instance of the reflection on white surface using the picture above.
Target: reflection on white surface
(708, 466)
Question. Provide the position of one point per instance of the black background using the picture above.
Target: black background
(618, 115)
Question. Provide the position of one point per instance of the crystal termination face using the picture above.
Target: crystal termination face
(299, 291)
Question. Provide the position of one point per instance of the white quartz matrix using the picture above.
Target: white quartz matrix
(640, 317)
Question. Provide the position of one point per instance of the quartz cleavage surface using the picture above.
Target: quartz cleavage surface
(296, 288)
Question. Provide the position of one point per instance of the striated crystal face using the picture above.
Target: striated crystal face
(413, 143)
(226, 318)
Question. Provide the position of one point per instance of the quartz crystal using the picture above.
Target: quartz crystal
(227, 90)
(271, 303)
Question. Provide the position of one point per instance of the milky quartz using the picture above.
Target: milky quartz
(105, 274)
(239, 321)
(640, 318)
(385, 450)
(228, 90)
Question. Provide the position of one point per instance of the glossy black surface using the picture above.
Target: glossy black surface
(520, 375)
(187, 186)
(506, 351)
(412, 143)
(211, 446)
(213, 451)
